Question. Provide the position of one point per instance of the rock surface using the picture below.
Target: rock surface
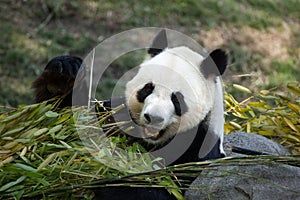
(252, 142)
(248, 181)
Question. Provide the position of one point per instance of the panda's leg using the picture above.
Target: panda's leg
(214, 153)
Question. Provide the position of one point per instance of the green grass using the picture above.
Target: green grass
(116, 70)
(284, 72)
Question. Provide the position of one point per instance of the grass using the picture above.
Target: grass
(117, 69)
(283, 72)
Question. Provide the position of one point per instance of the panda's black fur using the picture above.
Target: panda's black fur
(61, 72)
(57, 80)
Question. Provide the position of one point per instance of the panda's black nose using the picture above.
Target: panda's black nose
(152, 119)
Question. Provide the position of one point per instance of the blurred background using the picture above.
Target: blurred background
(262, 38)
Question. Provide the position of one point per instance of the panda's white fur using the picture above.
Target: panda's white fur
(178, 70)
(216, 122)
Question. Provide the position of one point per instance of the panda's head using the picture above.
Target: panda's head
(173, 91)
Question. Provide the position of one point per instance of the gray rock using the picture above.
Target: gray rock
(248, 181)
(260, 182)
(252, 142)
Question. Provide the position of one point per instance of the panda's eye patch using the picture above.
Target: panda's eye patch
(144, 92)
(179, 103)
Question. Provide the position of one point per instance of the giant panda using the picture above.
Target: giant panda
(176, 99)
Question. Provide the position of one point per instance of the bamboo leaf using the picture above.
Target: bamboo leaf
(290, 124)
(47, 161)
(25, 167)
(51, 114)
(65, 144)
(10, 145)
(294, 88)
(266, 133)
(242, 88)
(15, 116)
(235, 125)
(13, 183)
(257, 104)
(293, 137)
(177, 194)
(40, 132)
(29, 133)
(13, 131)
(264, 92)
(55, 129)
(63, 118)
(294, 107)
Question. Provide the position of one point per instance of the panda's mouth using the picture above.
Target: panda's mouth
(153, 133)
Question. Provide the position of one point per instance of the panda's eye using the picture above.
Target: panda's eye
(144, 92)
(179, 103)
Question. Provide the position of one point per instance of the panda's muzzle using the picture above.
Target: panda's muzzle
(153, 133)
(152, 119)
(152, 122)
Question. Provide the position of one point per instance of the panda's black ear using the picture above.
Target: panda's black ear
(66, 65)
(159, 43)
(215, 63)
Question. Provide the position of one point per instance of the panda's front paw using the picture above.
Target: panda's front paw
(64, 65)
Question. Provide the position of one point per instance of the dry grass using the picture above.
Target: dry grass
(272, 43)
